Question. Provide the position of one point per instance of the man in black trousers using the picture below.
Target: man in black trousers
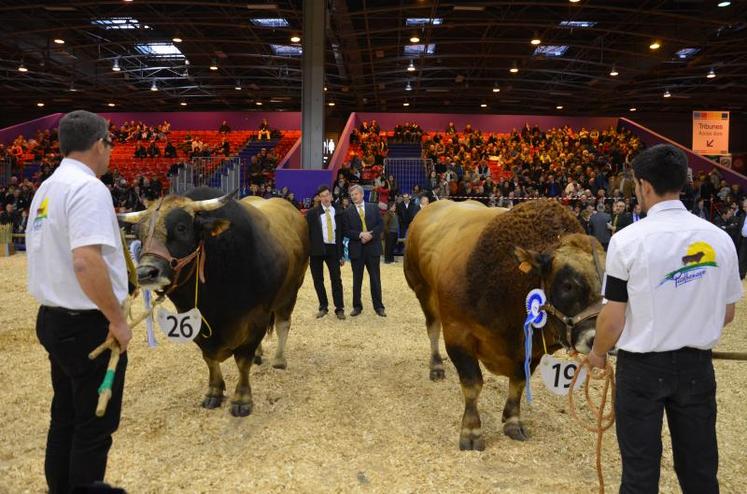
(364, 226)
(325, 236)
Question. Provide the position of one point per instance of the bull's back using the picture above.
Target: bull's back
(290, 231)
(441, 236)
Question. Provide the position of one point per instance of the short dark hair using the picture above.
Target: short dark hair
(79, 130)
(664, 166)
(322, 188)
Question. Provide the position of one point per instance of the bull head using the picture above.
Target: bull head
(172, 230)
(571, 275)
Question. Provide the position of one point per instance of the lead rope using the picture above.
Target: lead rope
(602, 421)
(198, 274)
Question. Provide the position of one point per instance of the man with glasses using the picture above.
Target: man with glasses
(77, 272)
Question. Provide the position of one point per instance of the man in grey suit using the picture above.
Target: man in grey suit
(600, 225)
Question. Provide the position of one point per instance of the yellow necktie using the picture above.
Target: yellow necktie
(330, 229)
(362, 214)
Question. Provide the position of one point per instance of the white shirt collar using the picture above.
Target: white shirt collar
(77, 164)
(360, 205)
(665, 206)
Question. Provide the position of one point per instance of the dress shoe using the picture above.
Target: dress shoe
(321, 313)
(380, 312)
(340, 314)
(356, 312)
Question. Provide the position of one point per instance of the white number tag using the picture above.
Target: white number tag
(558, 374)
(180, 328)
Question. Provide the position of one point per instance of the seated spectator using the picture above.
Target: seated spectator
(140, 151)
(169, 151)
(224, 128)
(10, 216)
(153, 151)
(265, 132)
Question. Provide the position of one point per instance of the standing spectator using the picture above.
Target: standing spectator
(224, 128)
(666, 309)
(264, 130)
(77, 272)
(620, 219)
(363, 226)
(391, 229)
(405, 212)
(700, 210)
(325, 237)
(600, 225)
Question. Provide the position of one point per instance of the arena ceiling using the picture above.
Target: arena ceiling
(231, 55)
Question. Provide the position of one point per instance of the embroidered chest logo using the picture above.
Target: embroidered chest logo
(699, 257)
(41, 214)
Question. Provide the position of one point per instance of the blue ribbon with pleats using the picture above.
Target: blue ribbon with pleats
(536, 318)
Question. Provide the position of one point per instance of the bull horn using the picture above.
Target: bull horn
(133, 217)
(211, 204)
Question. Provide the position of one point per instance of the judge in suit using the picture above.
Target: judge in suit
(364, 226)
(620, 219)
(325, 237)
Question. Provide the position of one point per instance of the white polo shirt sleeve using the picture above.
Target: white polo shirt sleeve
(617, 265)
(86, 227)
(734, 290)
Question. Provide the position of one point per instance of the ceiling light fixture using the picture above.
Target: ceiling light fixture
(331, 103)
(614, 72)
(154, 86)
(633, 108)
(405, 104)
(258, 103)
(667, 94)
(496, 89)
(724, 4)
(72, 88)
(483, 105)
(111, 105)
(411, 67)
(514, 68)
(414, 39)
(559, 107)
(177, 39)
(59, 41)
(183, 103)
(325, 88)
(237, 87)
(295, 38)
(711, 73)
(575, 1)
(40, 104)
(408, 87)
(536, 40)
(213, 65)
(655, 45)
(22, 68)
(115, 65)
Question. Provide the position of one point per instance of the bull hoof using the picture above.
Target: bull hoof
(438, 374)
(240, 409)
(279, 364)
(211, 402)
(258, 359)
(469, 442)
(515, 431)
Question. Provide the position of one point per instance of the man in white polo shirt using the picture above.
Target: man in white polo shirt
(76, 271)
(671, 282)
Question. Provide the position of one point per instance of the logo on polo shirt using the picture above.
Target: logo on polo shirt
(41, 213)
(699, 257)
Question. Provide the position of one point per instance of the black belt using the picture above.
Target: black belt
(72, 312)
(685, 351)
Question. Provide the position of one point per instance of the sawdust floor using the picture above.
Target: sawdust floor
(354, 412)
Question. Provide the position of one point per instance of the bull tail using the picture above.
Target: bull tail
(271, 324)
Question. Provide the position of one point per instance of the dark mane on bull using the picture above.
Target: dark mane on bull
(242, 268)
(492, 268)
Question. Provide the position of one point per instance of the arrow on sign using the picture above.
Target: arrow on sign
(709, 144)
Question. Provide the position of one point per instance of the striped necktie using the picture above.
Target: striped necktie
(362, 214)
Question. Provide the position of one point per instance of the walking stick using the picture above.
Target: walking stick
(105, 390)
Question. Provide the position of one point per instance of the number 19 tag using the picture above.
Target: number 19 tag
(558, 374)
(180, 328)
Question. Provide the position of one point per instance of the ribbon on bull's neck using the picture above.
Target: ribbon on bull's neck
(136, 248)
(536, 318)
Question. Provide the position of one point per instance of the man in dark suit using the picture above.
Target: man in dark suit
(405, 213)
(325, 237)
(364, 226)
(620, 219)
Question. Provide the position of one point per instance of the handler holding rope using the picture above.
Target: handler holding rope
(671, 283)
(77, 272)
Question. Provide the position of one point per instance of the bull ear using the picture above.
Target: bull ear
(212, 226)
(532, 262)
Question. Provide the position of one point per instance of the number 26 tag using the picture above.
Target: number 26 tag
(180, 328)
(558, 374)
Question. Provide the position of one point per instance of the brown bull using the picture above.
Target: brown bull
(472, 267)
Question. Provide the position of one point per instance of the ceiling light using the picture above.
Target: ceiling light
(405, 104)
(724, 4)
(655, 45)
(667, 94)
(295, 39)
(535, 41)
(213, 65)
(411, 67)
(183, 103)
(237, 87)
(154, 87)
(575, 1)
(483, 105)
(633, 109)
(331, 103)
(514, 69)
(325, 88)
(408, 87)
(614, 72)
(59, 41)
(496, 89)
(115, 66)
(72, 88)
(559, 107)
(40, 104)
(259, 103)
(711, 73)
(111, 105)
(177, 39)
(22, 68)
(414, 39)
